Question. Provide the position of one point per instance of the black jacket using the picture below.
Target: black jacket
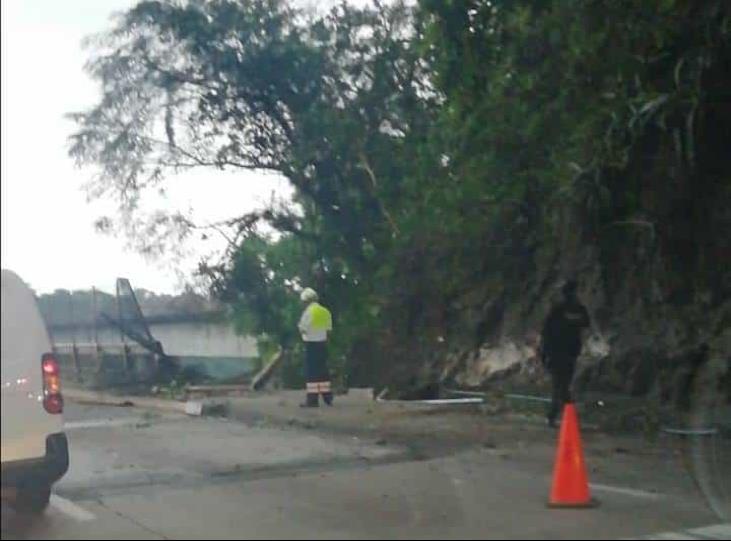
(562, 329)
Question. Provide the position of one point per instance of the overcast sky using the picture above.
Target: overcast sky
(47, 224)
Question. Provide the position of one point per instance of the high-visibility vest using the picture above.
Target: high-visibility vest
(315, 323)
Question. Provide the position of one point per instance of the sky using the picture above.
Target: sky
(48, 236)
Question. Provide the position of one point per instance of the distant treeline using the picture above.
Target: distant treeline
(66, 307)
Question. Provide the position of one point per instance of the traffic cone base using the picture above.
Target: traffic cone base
(584, 505)
(570, 488)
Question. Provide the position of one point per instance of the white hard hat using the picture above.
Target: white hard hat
(308, 295)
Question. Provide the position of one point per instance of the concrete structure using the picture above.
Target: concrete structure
(205, 341)
(194, 335)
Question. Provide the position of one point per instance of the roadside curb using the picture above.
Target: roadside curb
(84, 397)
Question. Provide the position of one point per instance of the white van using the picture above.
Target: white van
(34, 446)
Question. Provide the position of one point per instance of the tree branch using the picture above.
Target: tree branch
(369, 170)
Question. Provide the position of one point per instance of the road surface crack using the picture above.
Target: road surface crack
(134, 521)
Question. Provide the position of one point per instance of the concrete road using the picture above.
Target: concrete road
(136, 475)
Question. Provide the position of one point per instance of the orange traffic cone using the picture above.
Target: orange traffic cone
(570, 484)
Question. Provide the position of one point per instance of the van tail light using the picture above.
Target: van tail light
(52, 398)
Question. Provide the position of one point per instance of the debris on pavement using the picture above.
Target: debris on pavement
(265, 374)
(438, 401)
(194, 408)
(217, 389)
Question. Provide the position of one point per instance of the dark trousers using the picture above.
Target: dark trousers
(317, 374)
(562, 373)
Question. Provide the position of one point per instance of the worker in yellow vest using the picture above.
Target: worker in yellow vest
(314, 326)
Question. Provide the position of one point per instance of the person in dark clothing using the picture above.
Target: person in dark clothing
(561, 345)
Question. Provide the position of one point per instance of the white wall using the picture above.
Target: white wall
(196, 339)
(203, 339)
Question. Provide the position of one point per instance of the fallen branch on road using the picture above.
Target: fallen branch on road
(438, 401)
(261, 379)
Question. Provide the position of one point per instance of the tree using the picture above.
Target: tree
(332, 103)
